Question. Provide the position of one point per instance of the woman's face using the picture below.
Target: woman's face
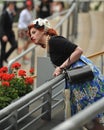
(36, 36)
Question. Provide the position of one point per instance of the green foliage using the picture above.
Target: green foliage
(7, 94)
(14, 85)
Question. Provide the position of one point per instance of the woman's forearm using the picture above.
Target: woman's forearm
(74, 57)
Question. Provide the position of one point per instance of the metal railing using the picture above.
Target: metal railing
(83, 117)
(43, 95)
(34, 106)
(31, 49)
(101, 56)
(71, 20)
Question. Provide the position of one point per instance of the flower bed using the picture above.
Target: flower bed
(16, 84)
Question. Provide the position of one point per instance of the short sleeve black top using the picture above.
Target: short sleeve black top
(60, 49)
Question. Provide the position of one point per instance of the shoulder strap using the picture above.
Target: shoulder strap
(83, 61)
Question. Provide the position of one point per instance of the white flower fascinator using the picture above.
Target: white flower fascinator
(41, 23)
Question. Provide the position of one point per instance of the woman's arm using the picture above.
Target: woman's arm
(74, 57)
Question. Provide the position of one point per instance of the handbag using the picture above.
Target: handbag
(79, 74)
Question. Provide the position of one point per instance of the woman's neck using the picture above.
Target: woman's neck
(44, 42)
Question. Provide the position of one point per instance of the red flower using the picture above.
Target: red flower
(16, 84)
(1, 74)
(4, 69)
(16, 65)
(5, 83)
(29, 80)
(7, 76)
(11, 76)
(22, 73)
(32, 71)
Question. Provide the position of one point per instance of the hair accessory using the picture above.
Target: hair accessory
(41, 23)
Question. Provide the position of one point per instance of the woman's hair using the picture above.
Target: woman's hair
(52, 32)
(43, 25)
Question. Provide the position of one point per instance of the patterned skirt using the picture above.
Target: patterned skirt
(84, 94)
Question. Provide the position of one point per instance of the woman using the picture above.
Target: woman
(63, 54)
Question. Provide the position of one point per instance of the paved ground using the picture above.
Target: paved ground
(57, 118)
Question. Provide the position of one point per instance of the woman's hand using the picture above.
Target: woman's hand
(57, 71)
(74, 57)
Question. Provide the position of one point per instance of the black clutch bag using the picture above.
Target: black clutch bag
(79, 74)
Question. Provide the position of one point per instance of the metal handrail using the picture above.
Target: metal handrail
(83, 117)
(57, 14)
(66, 16)
(101, 55)
(21, 55)
(35, 92)
(96, 54)
(44, 91)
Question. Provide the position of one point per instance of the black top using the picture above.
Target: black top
(60, 49)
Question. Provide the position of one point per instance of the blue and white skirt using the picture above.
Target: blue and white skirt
(84, 94)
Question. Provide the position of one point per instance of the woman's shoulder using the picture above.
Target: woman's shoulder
(58, 38)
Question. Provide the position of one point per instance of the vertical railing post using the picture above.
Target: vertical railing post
(33, 58)
(13, 120)
(68, 27)
(47, 97)
(74, 21)
(61, 30)
(9, 67)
